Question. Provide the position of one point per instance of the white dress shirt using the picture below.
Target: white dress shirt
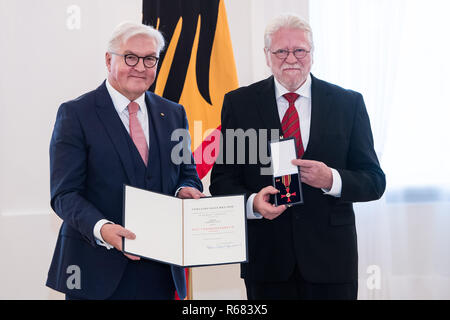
(303, 106)
(121, 103)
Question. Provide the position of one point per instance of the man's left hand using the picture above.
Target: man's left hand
(314, 173)
(190, 193)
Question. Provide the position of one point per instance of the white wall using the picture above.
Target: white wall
(45, 63)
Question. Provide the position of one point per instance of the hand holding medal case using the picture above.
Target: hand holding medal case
(286, 176)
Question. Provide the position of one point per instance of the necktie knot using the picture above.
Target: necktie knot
(291, 97)
(133, 107)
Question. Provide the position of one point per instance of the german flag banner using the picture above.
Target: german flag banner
(196, 69)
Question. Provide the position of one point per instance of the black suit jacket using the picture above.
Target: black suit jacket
(320, 235)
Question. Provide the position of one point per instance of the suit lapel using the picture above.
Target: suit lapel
(161, 128)
(113, 125)
(267, 105)
(320, 110)
(321, 105)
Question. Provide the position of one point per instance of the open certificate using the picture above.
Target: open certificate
(185, 232)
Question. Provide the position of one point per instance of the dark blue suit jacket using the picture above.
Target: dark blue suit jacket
(89, 164)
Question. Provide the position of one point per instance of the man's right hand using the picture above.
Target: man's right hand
(262, 205)
(113, 234)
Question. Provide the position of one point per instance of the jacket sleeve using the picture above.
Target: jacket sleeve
(188, 176)
(226, 177)
(362, 179)
(68, 167)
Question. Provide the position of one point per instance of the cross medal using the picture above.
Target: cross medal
(287, 184)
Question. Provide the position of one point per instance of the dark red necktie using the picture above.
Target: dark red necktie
(291, 123)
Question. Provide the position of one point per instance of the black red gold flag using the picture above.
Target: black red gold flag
(196, 69)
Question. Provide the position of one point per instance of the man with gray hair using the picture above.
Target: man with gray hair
(307, 251)
(116, 134)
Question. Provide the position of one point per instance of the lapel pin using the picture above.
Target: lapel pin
(162, 114)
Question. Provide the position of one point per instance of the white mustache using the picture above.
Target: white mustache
(291, 67)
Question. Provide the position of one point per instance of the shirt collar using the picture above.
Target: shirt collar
(304, 90)
(121, 102)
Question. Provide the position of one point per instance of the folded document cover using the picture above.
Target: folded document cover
(185, 232)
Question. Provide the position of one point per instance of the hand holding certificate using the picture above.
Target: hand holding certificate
(185, 232)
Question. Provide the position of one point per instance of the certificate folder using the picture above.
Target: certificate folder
(286, 176)
(185, 232)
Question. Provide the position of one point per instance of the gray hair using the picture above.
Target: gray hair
(127, 30)
(287, 20)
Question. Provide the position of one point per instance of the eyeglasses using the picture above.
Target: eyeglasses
(283, 54)
(132, 60)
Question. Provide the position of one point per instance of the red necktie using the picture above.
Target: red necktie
(291, 123)
(136, 132)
